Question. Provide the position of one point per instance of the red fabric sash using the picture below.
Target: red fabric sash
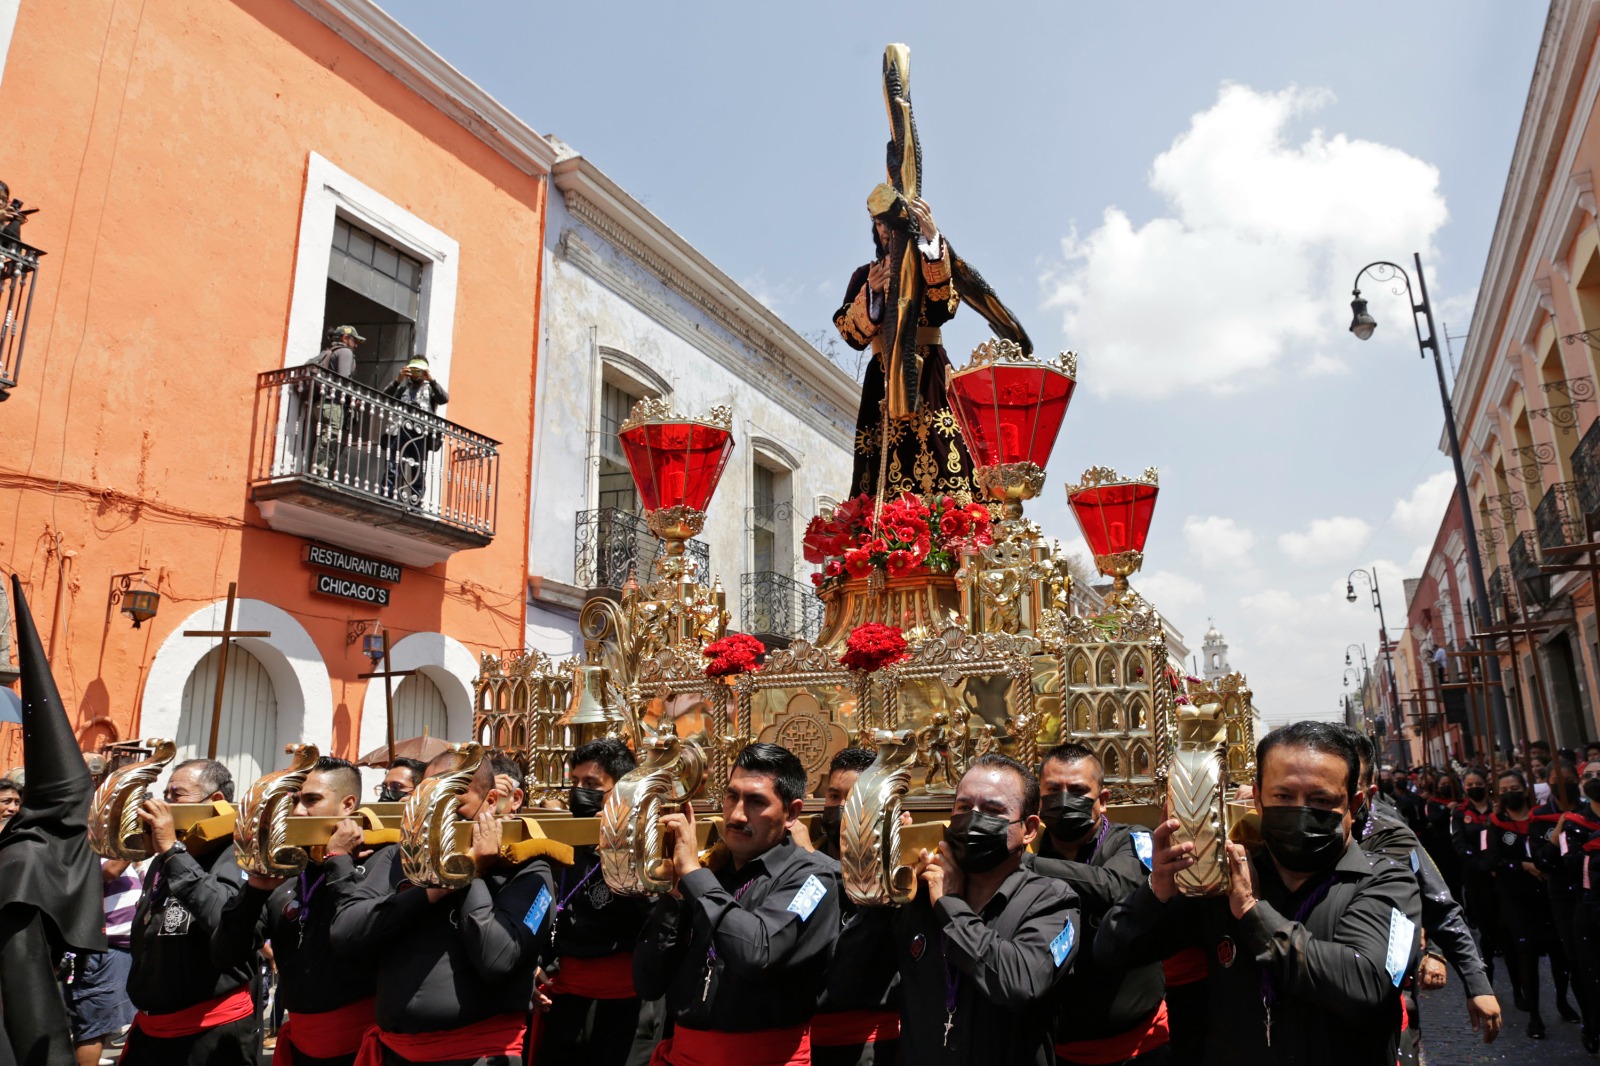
(1140, 1040)
(608, 977)
(766, 1047)
(1512, 824)
(228, 1007)
(1573, 817)
(848, 1028)
(502, 1034)
(1186, 967)
(324, 1035)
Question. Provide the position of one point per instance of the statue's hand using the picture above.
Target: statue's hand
(924, 216)
(878, 276)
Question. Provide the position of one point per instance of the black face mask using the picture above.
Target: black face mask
(832, 819)
(1513, 799)
(978, 841)
(585, 802)
(1306, 840)
(390, 794)
(1477, 793)
(1591, 789)
(1068, 817)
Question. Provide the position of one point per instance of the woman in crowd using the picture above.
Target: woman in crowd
(1519, 885)
(1560, 826)
(1438, 813)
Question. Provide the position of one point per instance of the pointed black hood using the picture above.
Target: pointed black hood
(45, 861)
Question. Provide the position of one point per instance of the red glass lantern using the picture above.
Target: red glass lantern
(1114, 513)
(676, 464)
(1010, 406)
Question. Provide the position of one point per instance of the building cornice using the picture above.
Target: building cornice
(602, 205)
(376, 35)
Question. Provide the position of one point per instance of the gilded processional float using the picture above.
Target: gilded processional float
(949, 630)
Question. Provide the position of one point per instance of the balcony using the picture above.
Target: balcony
(1525, 563)
(1497, 590)
(614, 545)
(19, 264)
(340, 462)
(779, 609)
(1557, 519)
(1586, 469)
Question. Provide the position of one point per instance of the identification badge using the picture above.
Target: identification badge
(534, 919)
(1402, 933)
(1416, 863)
(805, 901)
(1143, 848)
(1061, 946)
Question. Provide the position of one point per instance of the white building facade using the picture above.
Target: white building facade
(630, 311)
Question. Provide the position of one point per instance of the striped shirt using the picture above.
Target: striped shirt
(121, 900)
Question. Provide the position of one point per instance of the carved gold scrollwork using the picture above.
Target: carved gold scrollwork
(869, 830)
(258, 835)
(1196, 777)
(115, 831)
(428, 854)
(635, 857)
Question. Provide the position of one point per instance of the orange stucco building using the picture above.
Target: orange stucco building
(218, 183)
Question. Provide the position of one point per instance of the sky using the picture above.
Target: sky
(1180, 193)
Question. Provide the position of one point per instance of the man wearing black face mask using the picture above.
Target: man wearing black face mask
(593, 1008)
(982, 948)
(1308, 948)
(1104, 1013)
(1381, 831)
(858, 1017)
(401, 780)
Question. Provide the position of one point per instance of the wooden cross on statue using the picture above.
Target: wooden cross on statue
(227, 633)
(388, 692)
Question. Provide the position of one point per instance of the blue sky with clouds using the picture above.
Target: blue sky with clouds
(1179, 192)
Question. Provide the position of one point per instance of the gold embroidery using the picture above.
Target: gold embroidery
(953, 463)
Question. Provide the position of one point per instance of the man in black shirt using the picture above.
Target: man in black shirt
(743, 955)
(328, 994)
(455, 966)
(858, 1017)
(401, 779)
(1104, 1013)
(982, 948)
(1310, 945)
(193, 1007)
(594, 1010)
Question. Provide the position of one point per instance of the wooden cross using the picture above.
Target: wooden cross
(388, 692)
(227, 633)
(1527, 630)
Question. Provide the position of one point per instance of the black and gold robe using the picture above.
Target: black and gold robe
(926, 454)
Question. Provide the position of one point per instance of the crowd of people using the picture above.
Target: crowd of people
(1042, 931)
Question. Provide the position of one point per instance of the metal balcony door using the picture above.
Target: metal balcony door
(419, 709)
(247, 740)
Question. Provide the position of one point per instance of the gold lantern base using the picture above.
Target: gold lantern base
(1008, 485)
(921, 605)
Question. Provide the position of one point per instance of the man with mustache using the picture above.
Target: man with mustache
(1311, 943)
(982, 947)
(741, 953)
(1104, 1013)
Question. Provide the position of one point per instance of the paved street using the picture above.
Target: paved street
(1448, 1039)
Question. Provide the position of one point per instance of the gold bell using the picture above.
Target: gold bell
(591, 702)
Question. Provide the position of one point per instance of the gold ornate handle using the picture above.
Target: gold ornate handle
(115, 831)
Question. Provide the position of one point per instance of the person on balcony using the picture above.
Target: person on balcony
(339, 357)
(407, 442)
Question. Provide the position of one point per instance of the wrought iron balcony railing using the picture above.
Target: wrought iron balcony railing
(19, 265)
(776, 606)
(1557, 519)
(1497, 589)
(1586, 469)
(321, 435)
(1525, 561)
(613, 545)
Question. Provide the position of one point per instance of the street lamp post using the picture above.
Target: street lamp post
(1370, 578)
(1362, 325)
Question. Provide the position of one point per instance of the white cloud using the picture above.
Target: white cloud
(1218, 541)
(1171, 593)
(1418, 515)
(1326, 540)
(1250, 264)
(1323, 365)
(773, 295)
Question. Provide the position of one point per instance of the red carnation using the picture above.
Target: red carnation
(873, 646)
(735, 653)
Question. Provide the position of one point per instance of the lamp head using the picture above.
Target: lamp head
(1349, 592)
(1361, 323)
(1347, 658)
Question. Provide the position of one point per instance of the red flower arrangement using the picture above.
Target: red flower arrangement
(873, 646)
(913, 533)
(735, 653)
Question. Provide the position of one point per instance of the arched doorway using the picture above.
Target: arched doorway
(247, 737)
(419, 709)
